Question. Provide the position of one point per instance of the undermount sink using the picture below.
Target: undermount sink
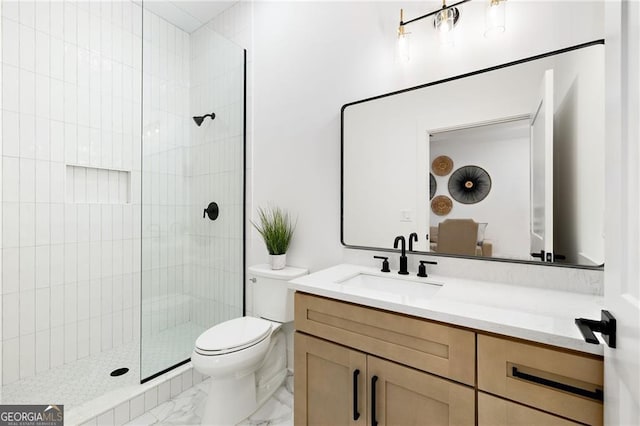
(394, 285)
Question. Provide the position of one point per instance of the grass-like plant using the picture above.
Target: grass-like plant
(276, 228)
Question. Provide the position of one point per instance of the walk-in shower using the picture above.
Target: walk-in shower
(107, 263)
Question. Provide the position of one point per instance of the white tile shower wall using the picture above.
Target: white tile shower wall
(216, 248)
(166, 133)
(71, 96)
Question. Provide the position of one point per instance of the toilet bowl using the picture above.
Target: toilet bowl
(246, 357)
(233, 354)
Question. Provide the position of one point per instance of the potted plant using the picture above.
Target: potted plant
(276, 228)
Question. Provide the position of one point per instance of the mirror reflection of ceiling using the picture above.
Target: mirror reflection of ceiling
(482, 121)
(188, 15)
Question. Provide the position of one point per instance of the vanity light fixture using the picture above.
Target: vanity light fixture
(446, 18)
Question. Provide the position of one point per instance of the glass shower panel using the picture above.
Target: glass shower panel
(192, 267)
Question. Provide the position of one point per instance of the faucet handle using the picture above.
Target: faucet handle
(422, 270)
(385, 263)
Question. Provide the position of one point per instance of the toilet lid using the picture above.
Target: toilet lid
(233, 335)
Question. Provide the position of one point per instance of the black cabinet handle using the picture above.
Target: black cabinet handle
(374, 422)
(356, 415)
(596, 394)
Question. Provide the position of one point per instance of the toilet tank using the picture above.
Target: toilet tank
(272, 298)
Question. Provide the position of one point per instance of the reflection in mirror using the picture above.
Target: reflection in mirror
(503, 163)
(503, 215)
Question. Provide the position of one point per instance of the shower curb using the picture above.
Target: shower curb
(123, 405)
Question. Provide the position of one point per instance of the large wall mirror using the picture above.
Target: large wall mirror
(505, 163)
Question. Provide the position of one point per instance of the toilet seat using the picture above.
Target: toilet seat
(232, 336)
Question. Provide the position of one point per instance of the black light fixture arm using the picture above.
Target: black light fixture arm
(403, 23)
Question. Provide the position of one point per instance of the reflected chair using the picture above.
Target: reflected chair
(458, 236)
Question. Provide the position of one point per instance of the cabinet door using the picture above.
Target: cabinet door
(327, 378)
(494, 411)
(404, 396)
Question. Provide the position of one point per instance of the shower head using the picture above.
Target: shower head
(200, 119)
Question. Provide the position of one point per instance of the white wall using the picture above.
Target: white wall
(70, 97)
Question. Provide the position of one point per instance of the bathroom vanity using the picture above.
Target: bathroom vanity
(376, 348)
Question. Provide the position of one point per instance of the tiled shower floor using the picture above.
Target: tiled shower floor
(77, 382)
(85, 379)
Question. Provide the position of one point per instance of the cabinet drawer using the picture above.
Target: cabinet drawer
(493, 411)
(425, 345)
(563, 383)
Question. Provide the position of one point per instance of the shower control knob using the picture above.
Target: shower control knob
(253, 280)
(211, 211)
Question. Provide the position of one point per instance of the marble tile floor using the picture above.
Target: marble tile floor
(186, 409)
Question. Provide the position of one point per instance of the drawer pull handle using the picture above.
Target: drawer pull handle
(597, 394)
(374, 422)
(356, 415)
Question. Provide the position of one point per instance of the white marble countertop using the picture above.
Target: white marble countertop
(538, 315)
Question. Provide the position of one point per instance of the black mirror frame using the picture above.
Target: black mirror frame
(469, 74)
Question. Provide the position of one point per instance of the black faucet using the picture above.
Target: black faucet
(412, 237)
(403, 255)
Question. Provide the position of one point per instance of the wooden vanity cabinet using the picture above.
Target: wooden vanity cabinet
(339, 384)
(425, 373)
(335, 385)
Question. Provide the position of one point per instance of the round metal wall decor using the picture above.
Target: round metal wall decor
(433, 186)
(441, 205)
(442, 165)
(469, 184)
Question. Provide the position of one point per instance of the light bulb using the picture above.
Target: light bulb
(494, 18)
(444, 22)
(403, 46)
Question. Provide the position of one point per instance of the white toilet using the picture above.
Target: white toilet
(247, 357)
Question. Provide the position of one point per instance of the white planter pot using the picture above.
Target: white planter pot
(278, 261)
